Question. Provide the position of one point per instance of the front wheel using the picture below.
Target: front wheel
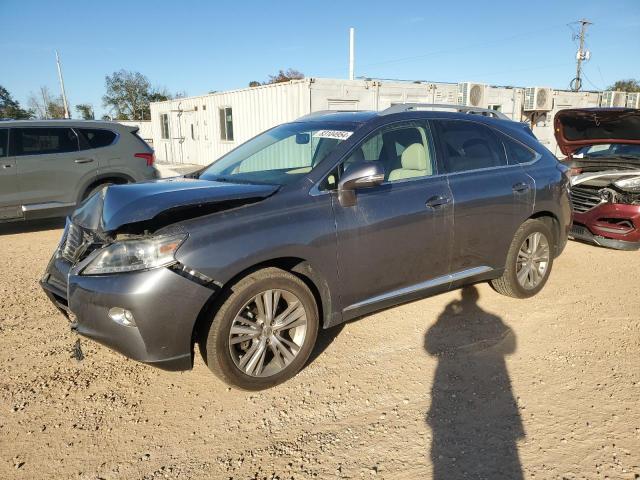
(529, 261)
(263, 332)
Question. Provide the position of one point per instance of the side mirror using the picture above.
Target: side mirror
(358, 175)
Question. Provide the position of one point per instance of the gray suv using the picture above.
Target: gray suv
(48, 167)
(308, 225)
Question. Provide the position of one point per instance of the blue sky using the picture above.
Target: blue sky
(198, 46)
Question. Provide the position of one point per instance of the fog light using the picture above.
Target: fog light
(122, 316)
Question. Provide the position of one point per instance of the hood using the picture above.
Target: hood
(576, 128)
(173, 199)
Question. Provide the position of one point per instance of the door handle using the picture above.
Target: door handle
(83, 160)
(8, 165)
(437, 201)
(520, 187)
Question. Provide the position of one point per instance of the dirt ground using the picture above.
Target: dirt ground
(478, 386)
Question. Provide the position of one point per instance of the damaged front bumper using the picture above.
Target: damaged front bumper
(164, 305)
(609, 225)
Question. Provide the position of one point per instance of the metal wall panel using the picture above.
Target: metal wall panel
(194, 125)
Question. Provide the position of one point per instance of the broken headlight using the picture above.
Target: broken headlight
(138, 254)
(628, 184)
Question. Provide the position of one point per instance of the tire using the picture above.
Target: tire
(224, 354)
(97, 188)
(509, 284)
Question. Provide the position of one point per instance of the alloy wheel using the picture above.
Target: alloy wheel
(533, 260)
(267, 333)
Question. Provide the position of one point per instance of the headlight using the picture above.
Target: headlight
(131, 255)
(629, 184)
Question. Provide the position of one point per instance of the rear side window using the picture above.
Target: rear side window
(517, 152)
(97, 138)
(469, 146)
(38, 141)
(4, 142)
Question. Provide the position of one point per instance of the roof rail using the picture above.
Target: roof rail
(405, 107)
(319, 113)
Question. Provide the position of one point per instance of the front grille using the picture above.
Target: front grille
(75, 244)
(584, 199)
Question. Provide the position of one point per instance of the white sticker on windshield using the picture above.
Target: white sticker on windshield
(337, 134)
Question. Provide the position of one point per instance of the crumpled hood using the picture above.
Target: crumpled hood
(119, 205)
(577, 127)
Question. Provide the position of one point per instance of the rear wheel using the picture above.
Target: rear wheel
(529, 261)
(263, 332)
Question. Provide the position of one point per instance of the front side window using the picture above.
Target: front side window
(405, 151)
(164, 126)
(4, 142)
(38, 141)
(469, 146)
(278, 156)
(226, 124)
(97, 138)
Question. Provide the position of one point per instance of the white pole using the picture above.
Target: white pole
(64, 95)
(351, 52)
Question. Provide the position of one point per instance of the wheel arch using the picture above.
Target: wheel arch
(300, 267)
(117, 178)
(552, 221)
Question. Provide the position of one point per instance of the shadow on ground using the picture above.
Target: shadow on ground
(473, 417)
(13, 228)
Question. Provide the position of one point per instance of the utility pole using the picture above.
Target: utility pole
(64, 95)
(351, 52)
(581, 55)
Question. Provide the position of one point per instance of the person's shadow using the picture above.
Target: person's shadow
(474, 416)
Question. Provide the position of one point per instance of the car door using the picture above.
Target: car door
(51, 167)
(396, 239)
(9, 199)
(492, 198)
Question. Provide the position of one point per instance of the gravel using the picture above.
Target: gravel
(442, 388)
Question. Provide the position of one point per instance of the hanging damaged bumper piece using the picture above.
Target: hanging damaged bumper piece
(147, 315)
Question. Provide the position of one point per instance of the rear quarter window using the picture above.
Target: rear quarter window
(517, 152)
(97, 138)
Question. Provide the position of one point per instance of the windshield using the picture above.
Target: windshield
(278, 156)
(608, 150)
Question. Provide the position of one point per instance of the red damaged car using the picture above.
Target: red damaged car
(602, 146)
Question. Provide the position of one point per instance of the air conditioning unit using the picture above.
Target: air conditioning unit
(538, 99)
(472, 94)
(633, 100)
(613, 99)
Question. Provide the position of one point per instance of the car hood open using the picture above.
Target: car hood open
(578, 127)
(173, 199)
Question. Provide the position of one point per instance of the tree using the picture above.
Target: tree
(285, 76)
(44, 105)
(129, 95)
(10, 108)
(86, 111)
(629, 85)
(281, 76)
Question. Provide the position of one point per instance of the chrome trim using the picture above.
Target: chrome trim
(435, 282)
(34, 207)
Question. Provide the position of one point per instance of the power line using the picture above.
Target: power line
(465, 47)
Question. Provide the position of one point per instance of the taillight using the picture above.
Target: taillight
(149, 157)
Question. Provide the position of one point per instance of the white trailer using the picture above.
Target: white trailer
(201, 129)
